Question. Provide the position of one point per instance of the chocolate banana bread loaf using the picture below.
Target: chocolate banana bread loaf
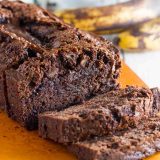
(103, 114)
(70, 66)
(133, 144)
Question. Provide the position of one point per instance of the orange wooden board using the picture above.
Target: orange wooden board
(18, 144)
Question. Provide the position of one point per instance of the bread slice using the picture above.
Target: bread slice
(66, 66)
(14, 50)
(156, 102)
(133, 144)
(102, 115)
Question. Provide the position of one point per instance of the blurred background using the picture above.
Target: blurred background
(132, 25)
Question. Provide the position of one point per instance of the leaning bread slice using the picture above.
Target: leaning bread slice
(109, 112)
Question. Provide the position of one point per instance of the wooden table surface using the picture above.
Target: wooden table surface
(18, 144)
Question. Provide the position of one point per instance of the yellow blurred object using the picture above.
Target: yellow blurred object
(111, 19)
(140, 38)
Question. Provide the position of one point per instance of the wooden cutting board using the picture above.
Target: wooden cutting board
(18, 144)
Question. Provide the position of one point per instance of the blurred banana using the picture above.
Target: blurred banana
(143, 37)
(111, 19)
